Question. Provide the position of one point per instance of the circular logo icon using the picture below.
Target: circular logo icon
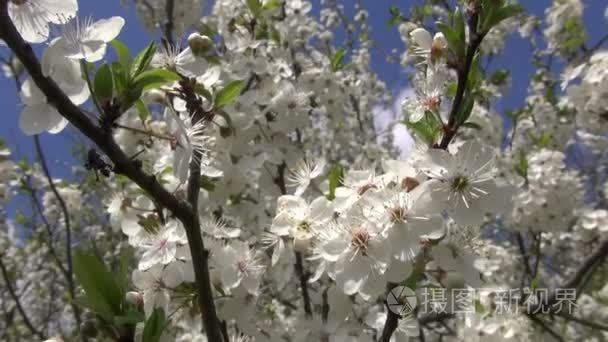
(401, 300)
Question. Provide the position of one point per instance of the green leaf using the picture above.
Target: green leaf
(459, 28)
(207, 183)
(522, 166)
(154, 326)
(494, 13)
(151, 79)
(229, 93)
(129, 318)
(337, 60)
(534, 284)
(142, 110)
(465, 109)
(122, 51)
(200, 89)
(255, 6)
(150, 223)
(479, 307)
(427, 129)
(143, 59)
(336, 175)
(103, 84)
(119, 77)
(102, 292)
(272, 5)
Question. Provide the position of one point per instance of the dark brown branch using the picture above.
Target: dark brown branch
(449, 131)
(13, 294)
(303, 284)
(198, 252)
(545, 327)
(169, 25)
(582, 321)
(392, 320)
(575, 281)
(280, 182)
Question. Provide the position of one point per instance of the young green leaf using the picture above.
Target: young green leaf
(143, 59)
(229, 93)
(103, 85)
(102, 292)
(142, 110)
(122, 51)
(271, 5)
(427, 129)
(337, 60)
(154, 78)
(255, 6)
(336, 175)
(154, 326)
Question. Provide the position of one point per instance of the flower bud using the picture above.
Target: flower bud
(134, 298)
(199, 45)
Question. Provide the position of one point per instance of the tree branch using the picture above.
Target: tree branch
(280, 182)
(66, 215)
(169, 26)
(463, 76)
(13, 294)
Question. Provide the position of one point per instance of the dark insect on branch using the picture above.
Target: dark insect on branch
(96, 163)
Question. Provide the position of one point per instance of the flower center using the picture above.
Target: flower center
(360, 238)
(408, 184)
(304, 227)
(460, 183)
(398, 214)
(432, 103)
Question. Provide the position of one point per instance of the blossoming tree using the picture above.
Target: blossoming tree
(235, 187)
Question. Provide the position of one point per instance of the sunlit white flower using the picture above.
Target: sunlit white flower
(38, 115)
(161, 247)
(297, 219)
(355, 185)
(465, 185)
(32, 17)
(238, 265)
(358, 253)
(304, 172)
(193, 143)
(182, 61)
(87, 39)
(405, 217)
(429, 93)
(156, 282)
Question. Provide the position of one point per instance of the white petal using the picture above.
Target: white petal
(190, 65)
(35, 119)
(57, 122)
(60, 9)
(282, 224)
(422, 38)
(106, 30)
(353, 275)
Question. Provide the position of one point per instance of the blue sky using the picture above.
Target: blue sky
(516, 58)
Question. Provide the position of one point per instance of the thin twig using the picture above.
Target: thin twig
(13, 294)
(68, 229)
